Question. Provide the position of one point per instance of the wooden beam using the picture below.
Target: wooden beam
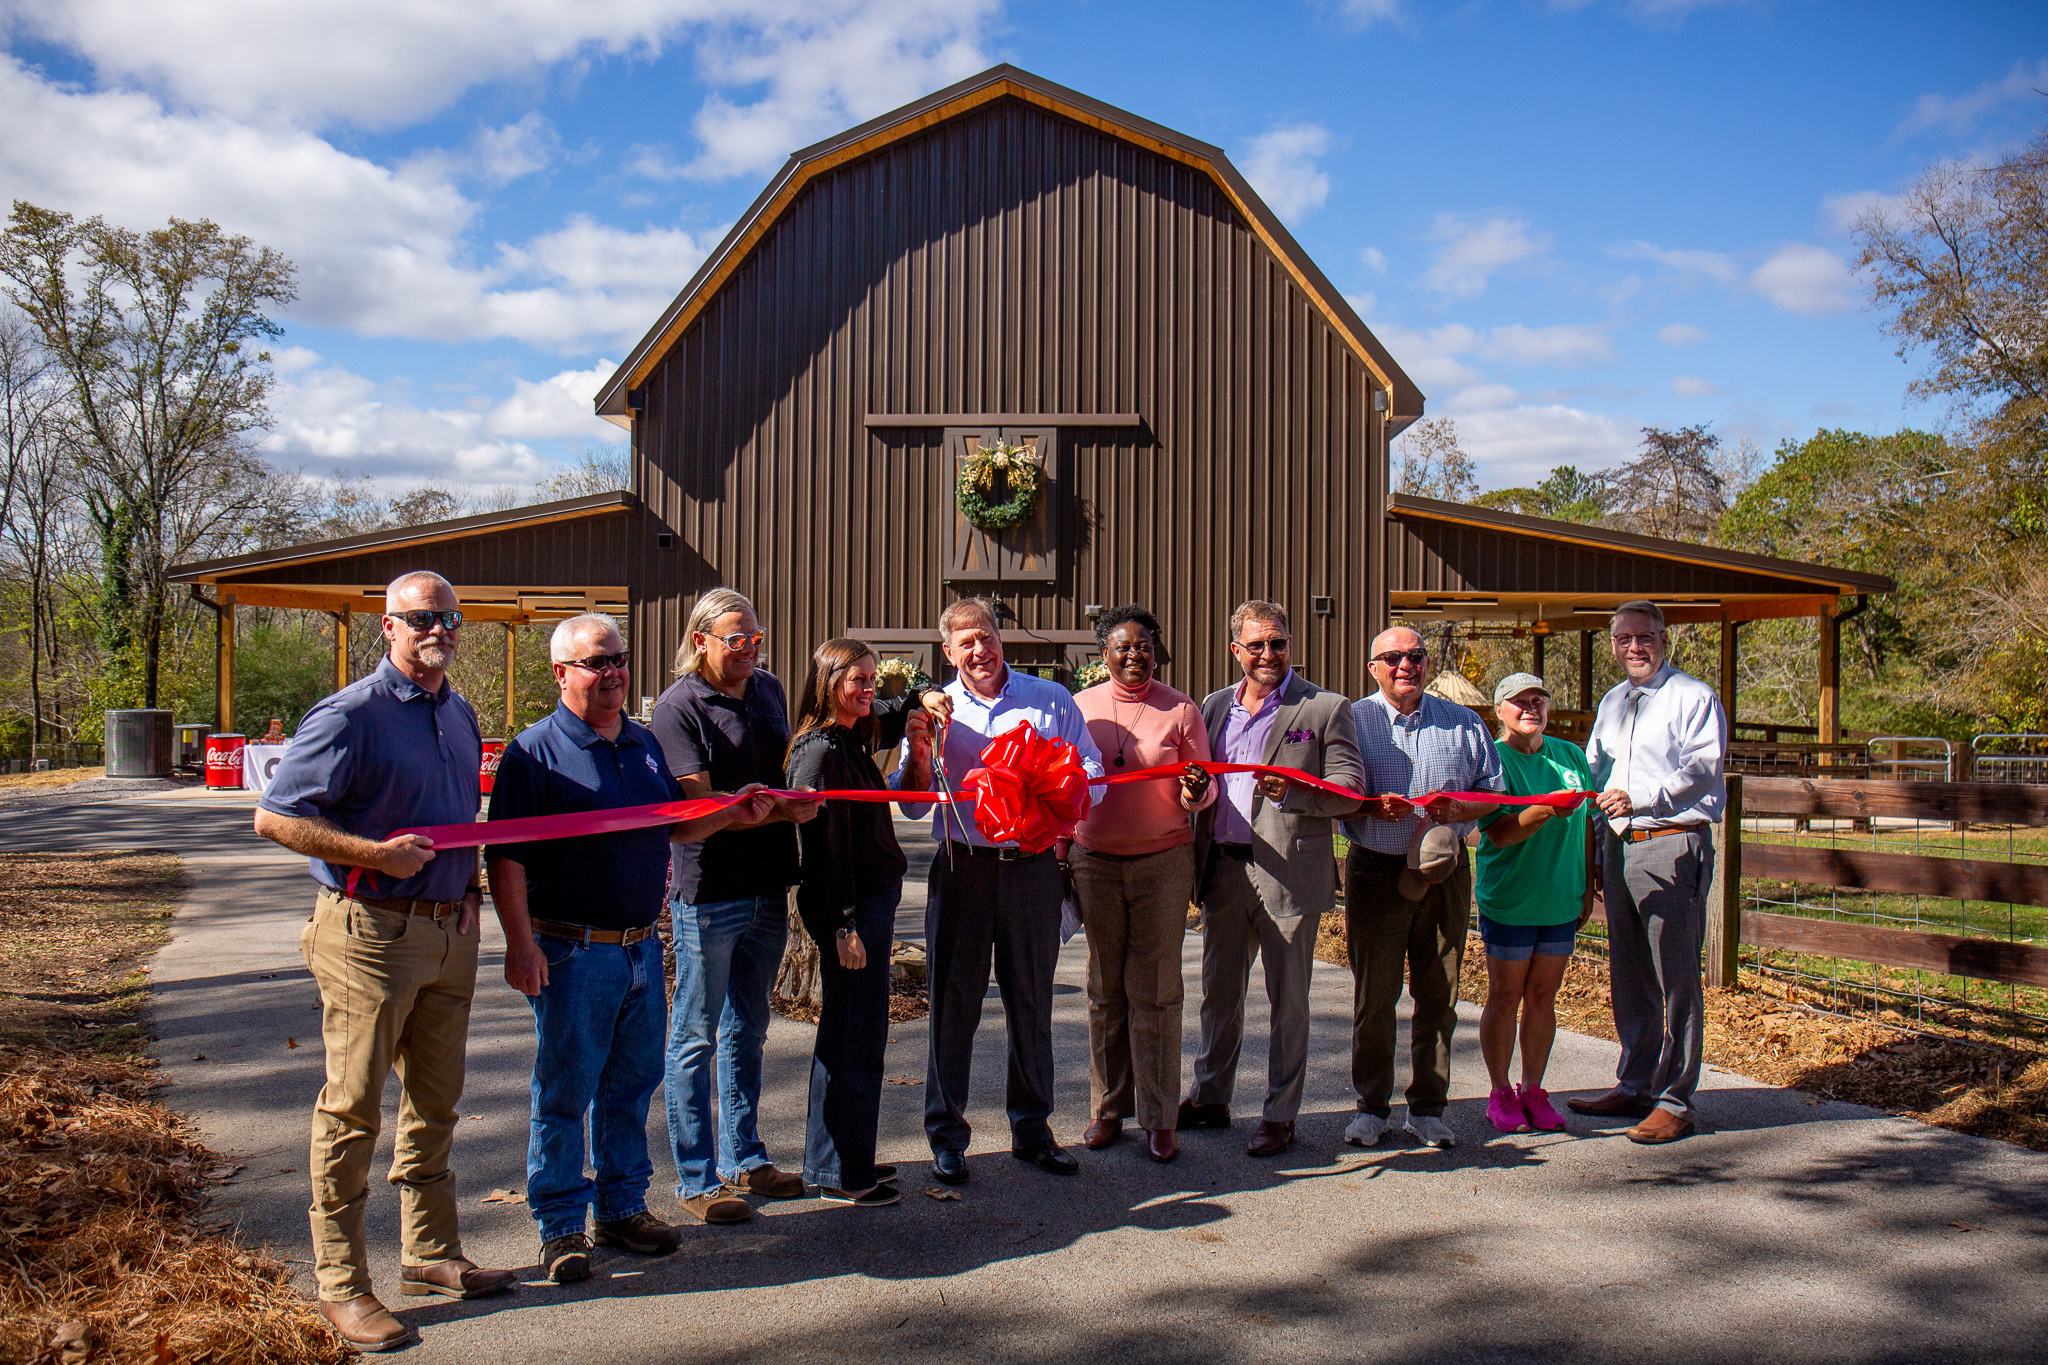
(1729, 647)
(1830, 679)
(511, 691)
(1536, 653)
(1909, 874)
(1585, 670)
(224, 672)
(1984, 959)
(341, 624)
(1004, 419)
(1989, 803)
(1724, 894)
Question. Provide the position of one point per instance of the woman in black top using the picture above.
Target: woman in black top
(851, 881)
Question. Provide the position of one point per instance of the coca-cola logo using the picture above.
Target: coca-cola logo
(224, 758)
(491, 757)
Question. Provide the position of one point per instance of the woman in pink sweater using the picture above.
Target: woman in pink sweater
(1132, 869)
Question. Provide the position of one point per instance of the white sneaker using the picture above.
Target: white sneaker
(1366, 1131)
(1429, 1130)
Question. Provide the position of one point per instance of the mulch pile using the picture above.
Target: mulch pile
(106, 1248)
(1775, 1033)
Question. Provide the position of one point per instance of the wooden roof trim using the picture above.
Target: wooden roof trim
(1628, 542)
(1004, 419)
(1009, 82)
(398, 537)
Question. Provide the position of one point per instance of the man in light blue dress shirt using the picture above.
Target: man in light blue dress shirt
(992, 903)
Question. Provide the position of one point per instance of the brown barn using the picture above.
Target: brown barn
(1003, 260)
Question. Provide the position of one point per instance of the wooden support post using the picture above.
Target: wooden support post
(511, 692)
(341, 625)
(1536, 652)
(1830, 683)
(1585, 670)
(224, 672)
(1724, 892)
(1729, 646)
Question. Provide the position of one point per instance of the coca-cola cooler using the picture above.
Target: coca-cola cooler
(494, 749)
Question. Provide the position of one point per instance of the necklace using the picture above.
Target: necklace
(1122, 731)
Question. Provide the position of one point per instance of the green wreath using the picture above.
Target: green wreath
(993, 468)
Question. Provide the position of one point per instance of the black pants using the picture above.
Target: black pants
(853, 1034)
(981, 908)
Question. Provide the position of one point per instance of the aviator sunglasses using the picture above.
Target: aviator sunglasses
(423, 621)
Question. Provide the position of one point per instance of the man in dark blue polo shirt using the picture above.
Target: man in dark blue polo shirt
(579, 941)
(725, 723)
(394, 955)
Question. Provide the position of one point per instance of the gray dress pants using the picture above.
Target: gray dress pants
(1655, 893)
(1237, 928)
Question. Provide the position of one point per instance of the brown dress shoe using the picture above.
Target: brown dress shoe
(457, 1279)
(366, 1324)
(1612, 1105)
(1161, 1144)
(1101, 1133)
(1271, 1139)
(1662, 1126)
(718, 1207)
(1194, 1115)
(769, 1183)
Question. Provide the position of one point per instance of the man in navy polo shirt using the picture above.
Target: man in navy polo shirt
(579, 941)
(394, 953)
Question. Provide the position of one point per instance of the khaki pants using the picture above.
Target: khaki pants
(1386, 933)
(394, 991)
(1136, 910)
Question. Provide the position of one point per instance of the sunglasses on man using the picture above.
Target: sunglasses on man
(598, 663)
(423, 621)
(1276, 645)
(1393, 658)
(740, 639)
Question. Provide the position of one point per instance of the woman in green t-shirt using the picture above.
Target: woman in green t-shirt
(1534, 888)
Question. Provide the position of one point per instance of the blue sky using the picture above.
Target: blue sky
(1567, 220)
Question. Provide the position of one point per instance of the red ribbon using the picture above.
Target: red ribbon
(1028, 789)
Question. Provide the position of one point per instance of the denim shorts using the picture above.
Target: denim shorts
(1520, 942)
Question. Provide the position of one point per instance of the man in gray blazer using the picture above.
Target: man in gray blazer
(1269, 868)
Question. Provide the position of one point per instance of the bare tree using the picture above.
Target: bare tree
(1434, 465)
(157, 335)
(33, 489)
(1673, 487)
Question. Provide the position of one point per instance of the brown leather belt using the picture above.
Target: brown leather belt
(431, 909)
(1636, 836)
(583, 933)
(1001, 855)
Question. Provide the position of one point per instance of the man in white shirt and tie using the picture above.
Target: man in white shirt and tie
(1660, 741)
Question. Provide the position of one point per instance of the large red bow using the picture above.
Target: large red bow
(1028, 788)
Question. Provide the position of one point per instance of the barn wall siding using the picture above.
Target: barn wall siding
(1012, 261)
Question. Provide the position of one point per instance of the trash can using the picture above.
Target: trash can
(138, 744)
(189, 746)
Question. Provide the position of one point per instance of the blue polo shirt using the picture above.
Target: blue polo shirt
(379, 756)
(605, 881)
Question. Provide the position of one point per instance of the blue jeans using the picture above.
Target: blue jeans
(727, 954)
(598, 1025)
(853, 1033)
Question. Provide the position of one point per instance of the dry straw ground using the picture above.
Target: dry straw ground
(106, 1250)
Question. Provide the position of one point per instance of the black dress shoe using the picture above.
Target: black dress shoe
(1048, 1157)
(949, 1166)
(1194, 1115)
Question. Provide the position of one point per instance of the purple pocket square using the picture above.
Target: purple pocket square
(1299, 737)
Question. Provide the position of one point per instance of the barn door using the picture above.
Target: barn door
(1029, 554)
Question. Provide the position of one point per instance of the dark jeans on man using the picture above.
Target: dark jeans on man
(853, 1033)
(1387, 932)
(978, 907)
(598, 1027)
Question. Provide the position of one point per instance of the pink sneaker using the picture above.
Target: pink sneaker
(1504, 1112)
(1535, 1102)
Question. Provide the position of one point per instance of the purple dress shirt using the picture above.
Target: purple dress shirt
(1244, 740)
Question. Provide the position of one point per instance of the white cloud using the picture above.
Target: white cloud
(1715, 265)
(1431, 358)
(1475, 247)
(1684, 387)
(1281, 166)
(1365, 13)
(1959, 113)
(1842, 210)
(328, 419)
(1518, 446)
(1562, 345)
(1654, 13)
(380, 250)
(823, 65)
(1809, 280)
(1681, 334)
(559, 406)
(1374, 260)
(1482, 398)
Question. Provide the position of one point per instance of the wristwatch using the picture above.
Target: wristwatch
(846, 932)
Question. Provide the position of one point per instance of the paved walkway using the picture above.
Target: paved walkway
(1792, 1228)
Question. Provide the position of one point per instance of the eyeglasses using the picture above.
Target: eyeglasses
(1394, 658)
(740, 639)
(598, 663)
(1276, 645)
(423, 621)
(1644, 640)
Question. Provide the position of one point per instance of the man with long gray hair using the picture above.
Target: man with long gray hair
(723, 725)
(579, 921)
(1659, 746)
(394, 957)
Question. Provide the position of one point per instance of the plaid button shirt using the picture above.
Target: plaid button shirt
(1441, 747)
